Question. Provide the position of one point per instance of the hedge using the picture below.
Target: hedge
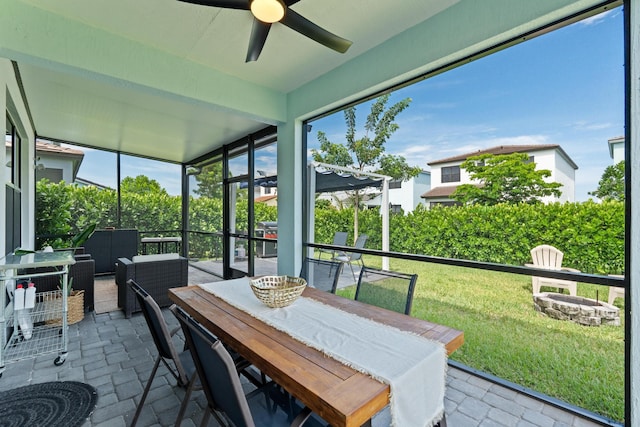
(590, 234)
(64, 210)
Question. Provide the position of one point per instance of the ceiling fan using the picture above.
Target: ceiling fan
(267, 12)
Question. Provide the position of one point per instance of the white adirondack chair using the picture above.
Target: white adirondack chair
(550, 258)
(614, 291)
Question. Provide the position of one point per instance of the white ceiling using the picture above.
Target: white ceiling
(218, 38)
(105, 110)
(167, 79)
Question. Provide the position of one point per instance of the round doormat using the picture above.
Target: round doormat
(59, 404)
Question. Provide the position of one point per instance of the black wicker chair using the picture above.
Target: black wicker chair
(156, 276)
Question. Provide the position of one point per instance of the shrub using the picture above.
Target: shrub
(591, 235)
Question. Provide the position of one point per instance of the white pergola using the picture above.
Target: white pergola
(344, 175)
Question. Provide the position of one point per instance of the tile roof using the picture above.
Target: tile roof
(265, 198)
(501, 149)
(53, 148)
(444, 191)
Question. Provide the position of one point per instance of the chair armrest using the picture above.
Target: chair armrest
(83, 272)
(125, 270)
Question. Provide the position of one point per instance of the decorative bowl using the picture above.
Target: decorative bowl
(277, 291)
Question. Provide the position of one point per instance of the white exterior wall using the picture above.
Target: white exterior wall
(561, 171)
(51, 162)
(618, 152)
(408, 196)
(633, 204)
(551, 160)
(11, 102)
(565, 174)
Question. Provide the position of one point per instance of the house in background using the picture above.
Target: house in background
(265, 188)
(616, 149)
(268, 200)
(404, 196)
(446, 174)
(81, 182)
(57, 163)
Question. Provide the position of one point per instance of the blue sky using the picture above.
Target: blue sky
(566, 88)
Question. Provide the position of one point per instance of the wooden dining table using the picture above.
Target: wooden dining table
(339, 394)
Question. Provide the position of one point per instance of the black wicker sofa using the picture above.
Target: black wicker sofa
(82, 273)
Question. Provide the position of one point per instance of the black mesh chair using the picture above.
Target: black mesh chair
(321, 274)
(386, 289)
(215, 366)
(350, 257)
(339, 239)
(183, 369)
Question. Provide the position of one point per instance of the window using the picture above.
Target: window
(13, 145)
(52, 174)
(451, 174)
(396, 183)
(529, 160)
(444, 204)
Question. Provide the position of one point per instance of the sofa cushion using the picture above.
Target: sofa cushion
(156, 257)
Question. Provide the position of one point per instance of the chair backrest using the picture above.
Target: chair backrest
(321, 274)
(216, 370)
(340, 238)
(386, 289)
(359, 244)
(546, 256)
(158, 328)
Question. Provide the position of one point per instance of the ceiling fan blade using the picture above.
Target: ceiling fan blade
(226, 4)
(307, 28)
(259, 33)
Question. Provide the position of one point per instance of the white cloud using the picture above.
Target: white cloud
(586, 126)
(515, 140)
(596, 19)
(441, 105)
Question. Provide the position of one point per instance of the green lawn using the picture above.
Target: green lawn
(504, 336)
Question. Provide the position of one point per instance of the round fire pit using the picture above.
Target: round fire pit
(584, 311)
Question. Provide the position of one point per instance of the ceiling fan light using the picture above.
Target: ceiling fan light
(268, 11)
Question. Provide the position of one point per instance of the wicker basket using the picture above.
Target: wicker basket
(75, 309)
(278, 291)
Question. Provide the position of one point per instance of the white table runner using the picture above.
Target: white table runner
(413, 366)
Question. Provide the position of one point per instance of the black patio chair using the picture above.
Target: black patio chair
(183, 369)
(226, 399)
(350, 257)
(386, 289)
(321, 274)
(339, 239)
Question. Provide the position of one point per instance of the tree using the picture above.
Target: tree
(141, 184)
(210, 181)
(367, 152)
(611, 185)
(506, 178)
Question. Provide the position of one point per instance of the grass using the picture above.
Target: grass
(506, 337)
